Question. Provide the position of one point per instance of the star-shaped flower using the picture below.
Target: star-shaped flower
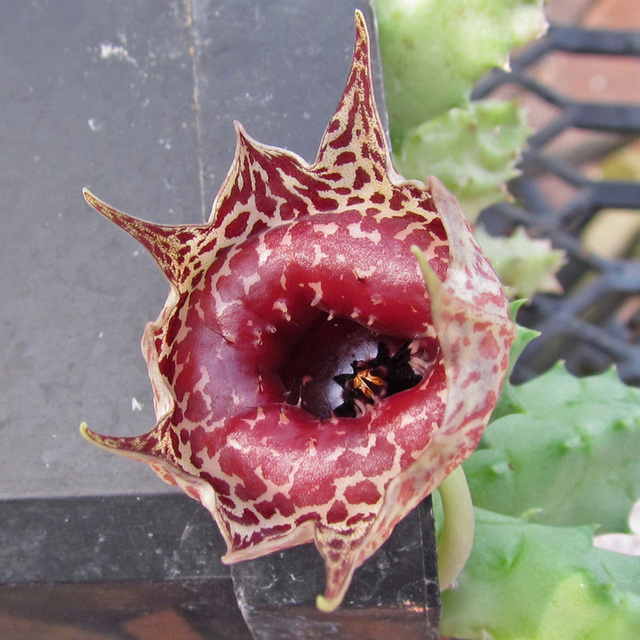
(303, 275)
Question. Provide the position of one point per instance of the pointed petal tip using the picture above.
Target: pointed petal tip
(243, 139)
(326, 605)
(90, 199)
(96, 438)
(129, 447)
(101, 206)
(244, 144)
(84, 430)
(418, 253)
(361, 24)
(121, 445)
(432, 280)
(362, 36)
(105, 209)
(158, 239)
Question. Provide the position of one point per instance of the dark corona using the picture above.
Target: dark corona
(379, 377)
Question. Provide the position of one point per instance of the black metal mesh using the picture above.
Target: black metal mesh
(596, 322)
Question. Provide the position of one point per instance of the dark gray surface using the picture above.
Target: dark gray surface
(102, 563)
(176, 610)
(394, 593)
(134, 98)
(105, 539)
(116, 567)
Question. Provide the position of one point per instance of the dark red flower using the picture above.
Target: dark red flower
(308, 385)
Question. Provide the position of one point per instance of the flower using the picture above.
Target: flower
(302, 295)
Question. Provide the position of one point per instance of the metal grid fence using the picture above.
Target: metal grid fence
(596, 321)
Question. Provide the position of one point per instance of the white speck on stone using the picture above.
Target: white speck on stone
(136, 405)
(108, 50)
(94, 125)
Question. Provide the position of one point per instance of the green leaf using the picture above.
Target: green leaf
(573, 458)
(536, 582)
(473, 150)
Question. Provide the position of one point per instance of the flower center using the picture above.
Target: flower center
(315, 376)
(375, 378)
